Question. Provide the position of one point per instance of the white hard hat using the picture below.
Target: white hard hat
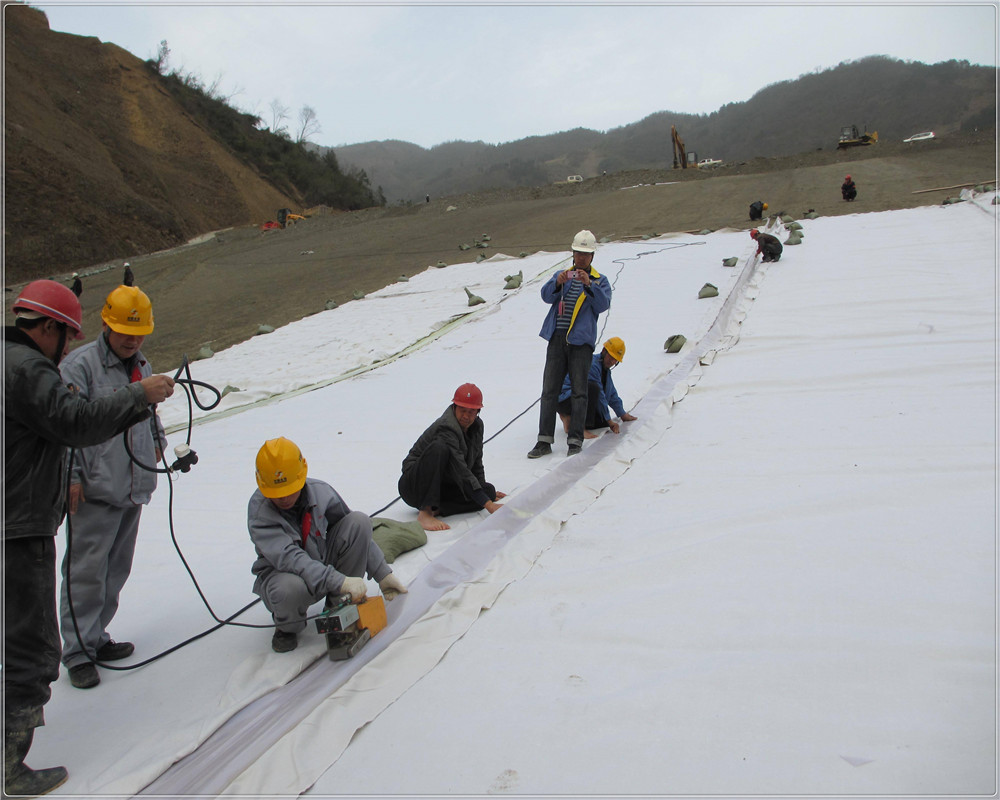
(584, 242)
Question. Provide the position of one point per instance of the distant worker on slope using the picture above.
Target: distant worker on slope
(757, 209)
(42, 417)
(107, 488)
(443, 473)
(767, 245)
(848, 190)
(310, 545)
(601, 392)
(576, 296)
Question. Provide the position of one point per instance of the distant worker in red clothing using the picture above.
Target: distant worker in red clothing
(848, 190)
(768, 246)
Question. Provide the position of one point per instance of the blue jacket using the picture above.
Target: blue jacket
(607, 396)
(593, 300)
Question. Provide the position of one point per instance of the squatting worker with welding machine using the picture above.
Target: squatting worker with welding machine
(42, 417)
(310, 545)
(107, 488)
(443, 473)
(576, 297)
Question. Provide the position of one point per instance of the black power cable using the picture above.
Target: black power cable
(187, 458)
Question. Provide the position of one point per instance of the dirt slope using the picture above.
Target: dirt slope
(101, 162)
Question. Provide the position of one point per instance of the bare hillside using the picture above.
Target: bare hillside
(101, 162)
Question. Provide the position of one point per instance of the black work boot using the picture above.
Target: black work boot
(113, 651)
(84, 676)
(540, 449)
(19, 780)
(283, 642)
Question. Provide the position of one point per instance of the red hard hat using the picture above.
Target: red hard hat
(847, 177)
(468, 396)
(754, 233)
(50, 299)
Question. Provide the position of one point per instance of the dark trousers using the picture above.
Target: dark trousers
(562, 359)
(593, 419)
(31, 630)
(431, 483)
(770, 251)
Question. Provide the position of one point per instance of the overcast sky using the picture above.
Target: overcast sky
(431, 73)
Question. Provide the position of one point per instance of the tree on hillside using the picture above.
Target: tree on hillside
(279, 115)
(308, 124)
(162, 57)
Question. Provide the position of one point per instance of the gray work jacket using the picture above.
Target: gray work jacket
(105, 470)
(280, 546)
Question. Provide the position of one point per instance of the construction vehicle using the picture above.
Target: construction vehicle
(680, 154)
(849, 137)
(286, 217)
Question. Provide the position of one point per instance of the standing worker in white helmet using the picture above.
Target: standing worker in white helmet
(576, 296)
(42, 417)
(601, 392)
(107, 488)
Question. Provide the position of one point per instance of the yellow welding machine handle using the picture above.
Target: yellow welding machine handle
(371, 614)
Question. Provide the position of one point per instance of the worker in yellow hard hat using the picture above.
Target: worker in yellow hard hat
(106, 489)
(310, 545)
(757, 209)
(601, 392)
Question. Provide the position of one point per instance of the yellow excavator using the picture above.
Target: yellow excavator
(849, 137)
(286, 217)
(680, 154)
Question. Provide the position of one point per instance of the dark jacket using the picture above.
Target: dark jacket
(466, 452)
(768, 243)
(42, 417)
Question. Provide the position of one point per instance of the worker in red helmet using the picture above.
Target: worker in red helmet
(42, 418)
(443, 473)
(848, 189)
(768, 246)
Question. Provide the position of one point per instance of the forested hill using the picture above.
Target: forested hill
(896, 98)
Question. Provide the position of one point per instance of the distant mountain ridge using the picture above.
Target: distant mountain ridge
(896, 98)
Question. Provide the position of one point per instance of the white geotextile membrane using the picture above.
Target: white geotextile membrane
(633, 570)
(459, 583)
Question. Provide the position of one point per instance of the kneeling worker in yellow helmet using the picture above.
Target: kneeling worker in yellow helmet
(601, 392)
(310, 545)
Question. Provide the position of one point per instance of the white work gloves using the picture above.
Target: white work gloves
(391, 586)
(355, 587)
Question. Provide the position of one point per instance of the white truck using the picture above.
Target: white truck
(709, 163)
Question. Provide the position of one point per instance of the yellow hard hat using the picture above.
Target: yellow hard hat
(281, 468)
(128, 310)
(765, 206)
(616, 348)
